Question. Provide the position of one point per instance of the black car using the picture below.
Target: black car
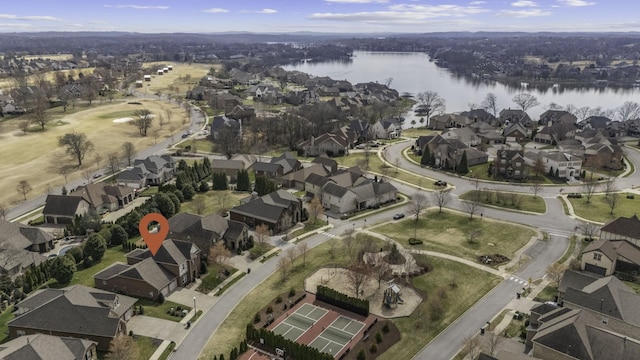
(441, 183)
(185, 136)
(574, 196)
(398, 216)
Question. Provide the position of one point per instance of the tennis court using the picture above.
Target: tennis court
(299, 321)
(334, 338)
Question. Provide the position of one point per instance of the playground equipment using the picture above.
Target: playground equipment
(391, 296)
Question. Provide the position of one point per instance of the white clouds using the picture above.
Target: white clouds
(523, 13)
(524, 3)
(138, 7)
(473, 3)
(216, 10)
(403, 14)
(357, 1)
(576, 3)
(263, 11)
(29, 18)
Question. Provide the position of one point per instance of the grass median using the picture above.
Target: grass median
(599, 209)
(508, 200)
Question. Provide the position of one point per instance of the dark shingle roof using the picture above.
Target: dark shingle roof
(627, 227)
(65, 205)
(44, 347)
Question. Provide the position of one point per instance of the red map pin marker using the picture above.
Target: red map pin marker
(153, 240)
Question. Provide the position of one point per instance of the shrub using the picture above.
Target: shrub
(292, 292)
(256, 318)
(76, 253)
(278, 299)
(373, 348)
(269, 309)
(378, 337)
(361, 355)
(160, 298)
(414, 241)
(385, 328)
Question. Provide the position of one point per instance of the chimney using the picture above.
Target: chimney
(601, 303)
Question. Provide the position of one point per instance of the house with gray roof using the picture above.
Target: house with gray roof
(62, 209)
(279, 210)
(205, 231)
(143, 279)
(604, 257)
(48, 347)
(297, 178)
(229, 167)
(270, 170)
(134, 177)
(103, 197)
(158, 168)
(75, 311)
(622, 228)
(179, 258)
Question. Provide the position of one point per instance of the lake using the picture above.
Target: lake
(414, 73)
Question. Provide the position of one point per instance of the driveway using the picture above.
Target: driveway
(184, 296)
(157, 328)
(115, 215)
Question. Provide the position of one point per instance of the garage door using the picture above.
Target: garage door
(173, 285)
(595, 269)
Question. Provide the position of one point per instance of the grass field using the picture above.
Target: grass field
(215, 201)
(598, 209)
(153, 309)
(35, 156)
(447, 232)
(416, 132)
(161, 83)
(85, 276)
(146, 346)
(506, 201)
(5, 317)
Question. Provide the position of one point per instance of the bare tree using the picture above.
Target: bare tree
(612, 201)
(408, 266)
(283, 264)
(473, 205)
(441, 198)
(291, 254)
(3, 211)
(315, 208)
(262, 233)
(114, 162)
(535, 187)
(555, 272)
(431, 102)
(168, 113)
(123, 347)
(24, 126)
(538, 166)
(128, 151)
(219, 254)
(98, 158)
(39, 114)
(199, 205)
(472, 346)
(490, 103)
(349, 240)
(582, 113)
(473, 235)
(23, 188)
(494, 341)
(589, 230)
(609, 187)
(303, 249)
(357, 275)
(525, 101)
(77, 145)
(142, 120)
(223, 199)
(419, 202)
(333, 242)
(380, 269)
(589, 187)
(87, 174)
(629, 110)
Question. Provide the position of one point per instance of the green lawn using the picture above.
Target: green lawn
(633, 285)
(153, 309)
(5, 317)
(213, 278)
(85, 276)
(446, 232)
(423, 325)
(598, 209)
(146, 346)
(117, 114)
(234, 326)
(508, 201)
(416, 132)
(215, 201)
(547, 294)
(310, 225)
(150, 191)
(203, 145)
(570, 250)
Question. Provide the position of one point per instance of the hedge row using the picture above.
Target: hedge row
(293, 350)
(343, 301)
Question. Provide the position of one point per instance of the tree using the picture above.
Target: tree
(441, 198)
(612, 201)
(303, 248)
(164, 205)
(473, 205)
(98, 158)
(142, 120)
(243, 182)
(23, 188)
(315, 208)
(424, 160)
(3, 211)
(381, 269)
(535, 187)
(555, 272)
(95, 247)
(419, 202)
(24, 126)
(118, 235)
(283, 263)
(463, 168)
(262, 233)
(627, 111)
(589, 230)
(199, 205)
(525, 101)
(431, 103)
(62, 269)
(589, 187)
(219, 254)
(538, 166)
(291, 254)
(77, 145)
(39, 114)
(357, 275)
(188, 192)
(123, 347)
(490, 103)
(114, 162)
(128, 152)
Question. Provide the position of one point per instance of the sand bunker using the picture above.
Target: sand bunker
(122, 120)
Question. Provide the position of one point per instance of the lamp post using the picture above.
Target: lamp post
(354, 228)
(365, 223)
(195, 311)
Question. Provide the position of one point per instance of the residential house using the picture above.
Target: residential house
(247, 159)
(134, 177)
(515, 132)
(361, 128)
(142, 279)
(329, 164)
(158, 168)
(441, 122)
(366, 194)
(48, 347)
(555, 133)
(336, 143)
(633, 127)
(205, 231)
(448, 153)
(71, 91)
(465, 135)
(20, 246)
(551, 117)
(62, 209)
(622, 228)
(338, 199)
(279, 210)
(481, 115)
(385, 129)
(267, 169)
(179, 258)
(510, 116)
(595, 122)
(288, 161)
(297, 178)
(510, 164)
(221, 124)
(103, 198)
(242, 113)
(600, 150)
(565, 165)
(229, 167)
(604, 257)
(76, 311)
(488, 134)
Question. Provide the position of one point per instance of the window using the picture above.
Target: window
(597, 256)
(20, 332)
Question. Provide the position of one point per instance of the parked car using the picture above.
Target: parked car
(630, 196)
(361, 146)
(440, 183)
(97, 176)
(398, 216)
(574, 196)
(185, 135)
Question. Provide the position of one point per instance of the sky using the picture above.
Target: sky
(326, 16)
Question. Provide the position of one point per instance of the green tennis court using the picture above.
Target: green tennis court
(334, 338)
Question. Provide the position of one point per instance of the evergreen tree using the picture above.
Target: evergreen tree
(204, 186)
(63, 268)
(432, 160)
(164, 204)
(188, 192)
(95, 247)
(244, 183)
(463, 168)
(551, 171)
(424, 160)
